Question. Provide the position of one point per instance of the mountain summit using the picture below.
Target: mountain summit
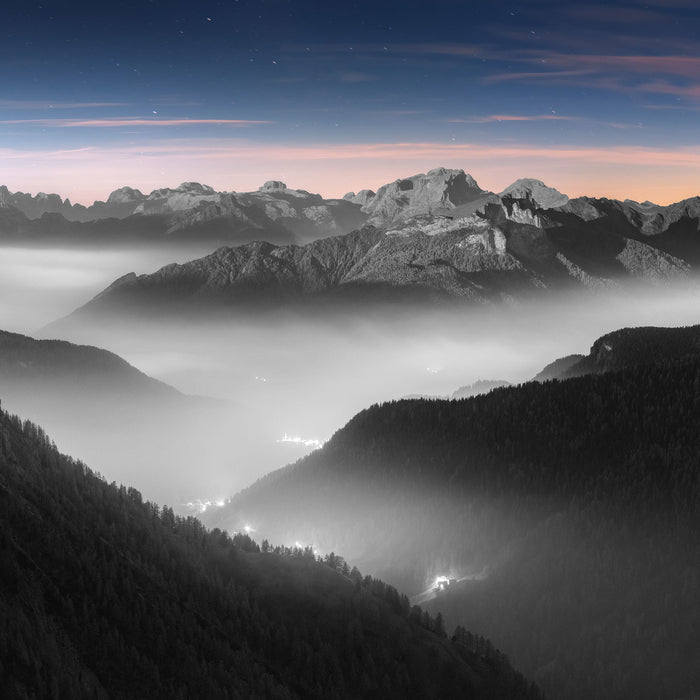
(537, 192)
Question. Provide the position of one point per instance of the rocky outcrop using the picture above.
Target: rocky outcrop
(363, 197)
(438, 192)
(35, 206)
(537, 192)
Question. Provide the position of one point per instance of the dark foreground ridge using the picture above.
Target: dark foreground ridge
(103, 595)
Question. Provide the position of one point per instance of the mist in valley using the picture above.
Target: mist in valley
(282, 381)
(242, 394)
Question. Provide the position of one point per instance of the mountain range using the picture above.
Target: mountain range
(433, 237)
(442, 232)
(189, 211)
(565, 512)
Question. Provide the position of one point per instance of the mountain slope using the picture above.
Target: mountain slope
(567, 512)
(106, 411)
(628, 347)
(35, 365)
(104, 595)
(505, 249)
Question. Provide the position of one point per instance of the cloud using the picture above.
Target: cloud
(513, 118)
(217, 149)
(679, 66)
(442, 49)
(134, 121)
(44, 104)
(611, 72)
(535, 75)
(662, 87)
(499, 118)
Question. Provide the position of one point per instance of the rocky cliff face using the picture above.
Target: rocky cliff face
(438, 192)
(537, 192)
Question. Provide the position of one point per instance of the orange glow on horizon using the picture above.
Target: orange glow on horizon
(87, 174)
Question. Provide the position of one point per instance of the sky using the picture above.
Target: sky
(598, 99)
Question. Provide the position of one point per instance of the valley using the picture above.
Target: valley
(274, 390)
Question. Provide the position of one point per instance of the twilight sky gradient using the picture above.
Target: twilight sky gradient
(594, 99)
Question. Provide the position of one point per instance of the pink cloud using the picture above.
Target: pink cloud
(441, 49)
(45, 104)
(664, 88)
(535, 75)
(683, 66)
(513, 118)
(134, 121)
(497, 118)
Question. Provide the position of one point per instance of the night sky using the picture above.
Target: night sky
(595, 99)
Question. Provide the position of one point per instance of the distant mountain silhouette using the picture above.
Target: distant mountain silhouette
(190, 211)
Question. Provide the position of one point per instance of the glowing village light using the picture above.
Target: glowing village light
(315, 444)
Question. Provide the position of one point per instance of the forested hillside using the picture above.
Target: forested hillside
(571, 508)
(629, 347)
(103, 595)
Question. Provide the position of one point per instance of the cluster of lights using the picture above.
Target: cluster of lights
(315, 444)
(201, 506)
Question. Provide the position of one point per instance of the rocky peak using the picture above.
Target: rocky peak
(272, 185)
(6, 198)
(125, 195)
(440, 173)
(440, 189)
(362, 198)
(535, 191)
(195, 188)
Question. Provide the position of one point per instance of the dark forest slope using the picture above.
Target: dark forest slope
(103, 595)
(573, 506)
(629, 347)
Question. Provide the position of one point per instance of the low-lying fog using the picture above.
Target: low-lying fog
(290, 380)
